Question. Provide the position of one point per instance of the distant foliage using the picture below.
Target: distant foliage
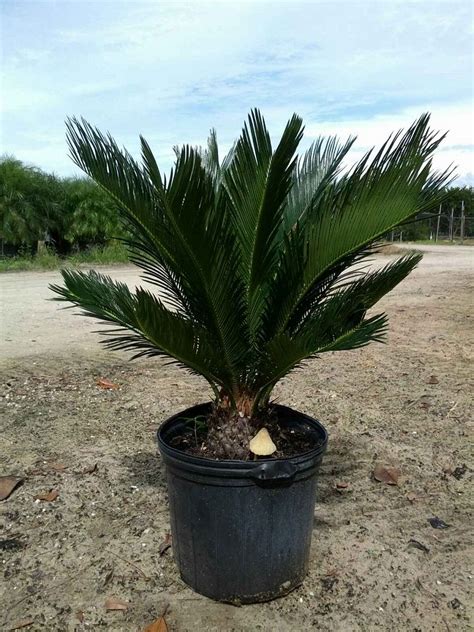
(68, 214)
(30, 202)
(91, 213)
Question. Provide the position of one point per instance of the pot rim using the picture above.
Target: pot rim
(182, 456)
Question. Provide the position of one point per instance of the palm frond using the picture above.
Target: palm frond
(144, 323)
(205, 253)
(354, 212)
(258, 182)
(259, 260)
(317, 168)
(179, 240)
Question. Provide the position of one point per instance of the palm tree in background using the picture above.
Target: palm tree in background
(29, 202)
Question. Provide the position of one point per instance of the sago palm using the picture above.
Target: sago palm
(257, 259)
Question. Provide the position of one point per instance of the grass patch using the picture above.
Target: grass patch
(111, 254)
(46, 260)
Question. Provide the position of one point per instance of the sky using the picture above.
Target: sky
(173, 70)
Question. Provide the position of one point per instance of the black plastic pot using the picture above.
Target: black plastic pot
(242, 529)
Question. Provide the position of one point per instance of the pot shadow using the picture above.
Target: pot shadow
(345, 461)
(145, 469)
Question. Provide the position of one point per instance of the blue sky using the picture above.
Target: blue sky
(172, 70)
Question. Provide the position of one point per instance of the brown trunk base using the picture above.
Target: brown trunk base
(229, 434)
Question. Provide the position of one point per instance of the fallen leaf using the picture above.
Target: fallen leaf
(48, 497)
(24, 623)
(418, 545)
(8, 484)
(385, 474)
(91, 469)
(342, 485)
(103, 382)
(432, 380)
(165, 545)
(80, 616)
(425, 405)
(437, 523)
(157, 626)
(411, 496)
(115, 604)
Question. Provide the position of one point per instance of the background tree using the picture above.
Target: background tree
(30, 202)
(91, 215)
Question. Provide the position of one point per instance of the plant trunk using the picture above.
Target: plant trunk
(232, 426)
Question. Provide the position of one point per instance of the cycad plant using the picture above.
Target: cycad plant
(258, 260)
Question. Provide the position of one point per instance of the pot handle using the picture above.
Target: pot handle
(274, 471)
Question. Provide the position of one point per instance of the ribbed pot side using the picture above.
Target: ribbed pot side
(242, 529)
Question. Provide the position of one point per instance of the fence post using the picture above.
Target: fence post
(451, 225)
(437, 223)
(462, 222)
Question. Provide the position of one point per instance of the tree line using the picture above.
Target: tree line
(73, 214)
(66, 214)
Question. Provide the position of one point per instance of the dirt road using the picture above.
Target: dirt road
(32, 325)
(377, 563)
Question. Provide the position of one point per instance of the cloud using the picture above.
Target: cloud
(455, 120)
(173, 70)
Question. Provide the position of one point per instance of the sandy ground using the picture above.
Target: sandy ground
(376, 561)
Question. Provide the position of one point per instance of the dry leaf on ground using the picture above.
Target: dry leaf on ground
(386, 474)
(48, 497)
(432, 380)
(165, 545)
(24, 623)
(115, 604)
(80, 616)
(411, 496)
(8, 484)
(103, 382)
(157, 626)
(342, 485)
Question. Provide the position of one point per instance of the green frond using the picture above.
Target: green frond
(354, 290)
(259, 260)
(379, 193)
(143, 321)
(317, 168)
(337, 321)
(258, 182)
